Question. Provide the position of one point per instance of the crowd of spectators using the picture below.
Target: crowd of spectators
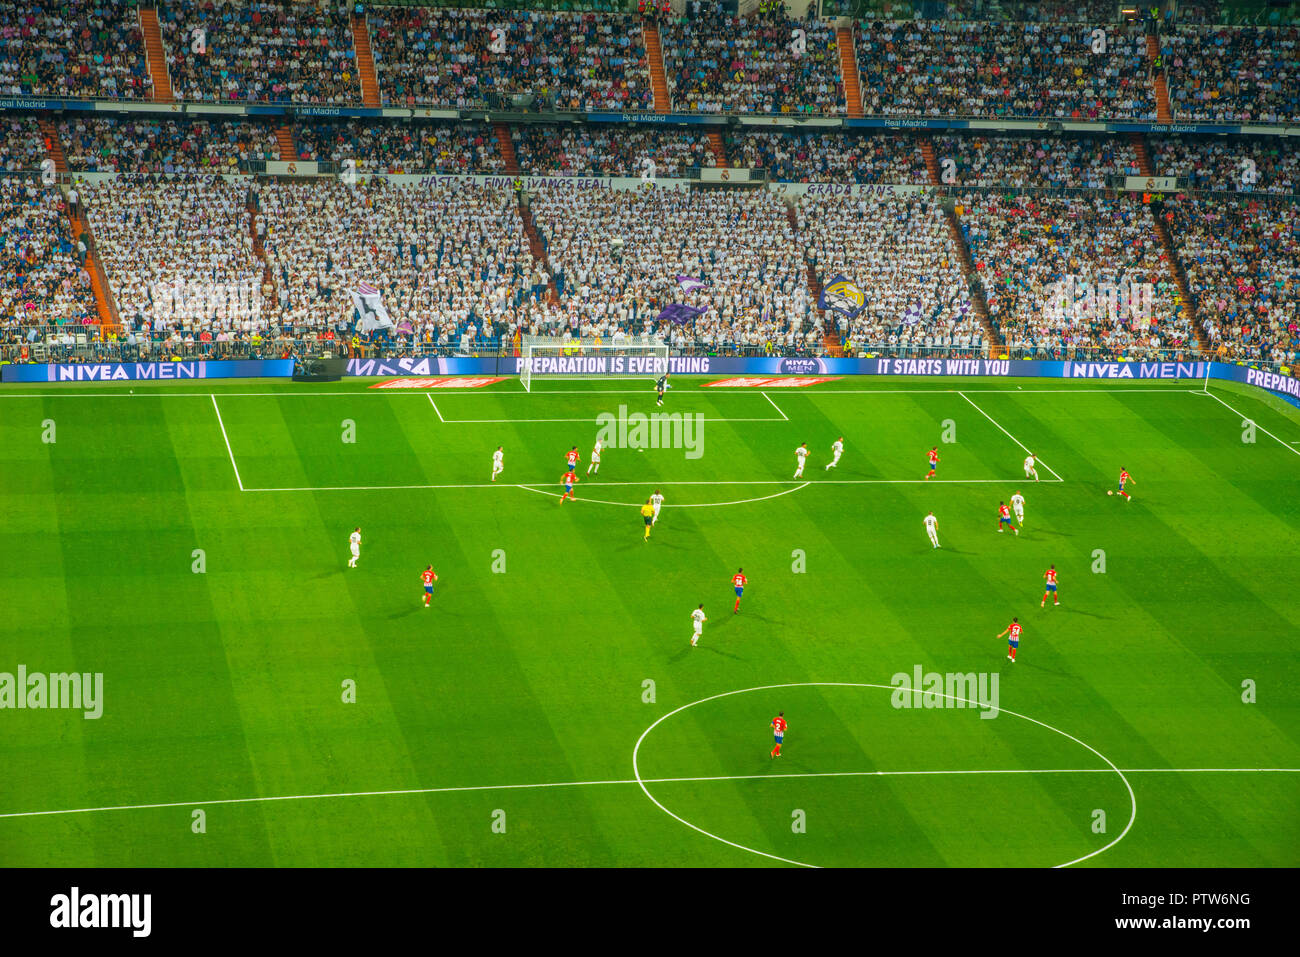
(482, 58)
(75, 48)
(1047, 263)
(401, 147)
(808, 156)
(899, 252)
(1242, 256)
(22, 146)
(1037, 161)
(547, 150)
(178, 255)
(260, 51)
(760, 63)
(1247, 166)
(449, 259)
(615, 257)
(941, 68)
(45, 280)
(1237, 75)
(147, 145)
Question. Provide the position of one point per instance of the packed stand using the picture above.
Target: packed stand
(937, 68)
(22, 145)
(145, 145)
(1047, 265)
(602, 151)
(615, 257)
(899, 252)
(448, 258)
(1242, 257)
(1233, 75)
(1035, 161)
(1251, 165)
(563, 61)
(260, 51)
(76, 48)
(378, 147)
(178, 257)
(818, 157)
(760, 63)
(46, 282)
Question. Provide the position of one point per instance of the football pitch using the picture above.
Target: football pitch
(263, 704)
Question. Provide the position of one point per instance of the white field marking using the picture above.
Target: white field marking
(589, 420)
(481, 390)
(435, 407)
(599, 501)
(1037, 460)
(849, 684)
(775, 406)
(1286, 445)
(662, 482)
(629, 781)
(229, 450)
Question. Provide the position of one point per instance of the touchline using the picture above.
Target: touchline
(38, 690)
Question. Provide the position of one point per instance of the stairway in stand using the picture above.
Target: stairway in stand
(849, 75)
(1164, 114)
(716, 145)
(365, 63)
(1161, 229)
(506, 147)
(105, 308)
(156, 56)
(655, 57)
(830, 331)
(285, 144)
(974, 283)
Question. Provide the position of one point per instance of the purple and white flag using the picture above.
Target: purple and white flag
(913, 315)
(690, 283)
(678, 313)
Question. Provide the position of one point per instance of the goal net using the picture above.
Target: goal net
(548, 357)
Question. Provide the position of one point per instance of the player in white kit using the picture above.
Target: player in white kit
(837, 448)
(698, 619)
(498, 463)
(1030, 471)
(593, 467)
(932, 529)
(1018, 506)
(656, 500)
(354, 542)
(801, 454)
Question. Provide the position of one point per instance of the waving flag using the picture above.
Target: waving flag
(913, 315)
(678, 313)
(370, 306)
(690, 283)
(842, 295)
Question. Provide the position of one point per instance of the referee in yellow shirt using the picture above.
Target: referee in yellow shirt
(648, 513)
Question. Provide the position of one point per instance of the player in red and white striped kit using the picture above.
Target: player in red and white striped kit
(1012, 631)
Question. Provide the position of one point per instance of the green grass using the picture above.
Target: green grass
(226, 686)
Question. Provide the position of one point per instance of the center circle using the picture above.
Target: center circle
(636, 771)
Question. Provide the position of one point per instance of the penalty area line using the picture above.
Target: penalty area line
(1009, 435)
(1282, 442)
(266, 799)
(650, 482)
(229, 450)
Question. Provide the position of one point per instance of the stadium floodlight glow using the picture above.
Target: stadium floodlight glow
(555, 358)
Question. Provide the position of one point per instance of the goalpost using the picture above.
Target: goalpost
(551, 357)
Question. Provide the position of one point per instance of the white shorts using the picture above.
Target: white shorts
(595, 460)
(356, 550)
(656, 511)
